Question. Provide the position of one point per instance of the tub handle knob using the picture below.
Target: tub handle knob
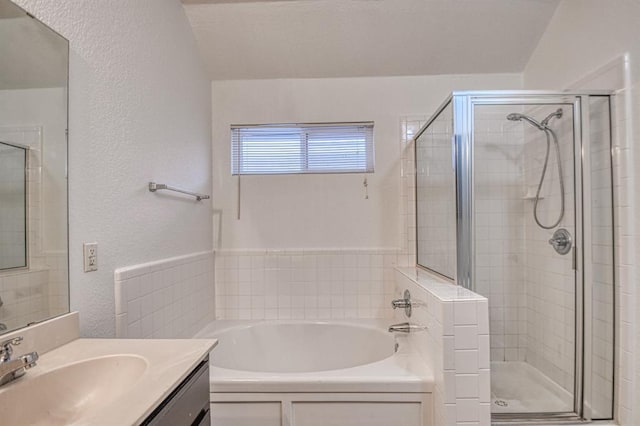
(405, 303)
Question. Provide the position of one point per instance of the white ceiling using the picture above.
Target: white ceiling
(244, 39)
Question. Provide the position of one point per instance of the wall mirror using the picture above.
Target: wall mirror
(34, 59)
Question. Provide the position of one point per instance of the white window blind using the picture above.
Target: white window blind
(302, 148)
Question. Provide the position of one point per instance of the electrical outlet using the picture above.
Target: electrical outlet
(90, 256)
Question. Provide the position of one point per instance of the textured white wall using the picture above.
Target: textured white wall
(324, 211)
(582, 37)
(140, 110)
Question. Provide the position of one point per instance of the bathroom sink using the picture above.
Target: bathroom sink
(69, 393)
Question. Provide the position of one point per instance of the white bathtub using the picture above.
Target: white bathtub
(300, 347)
(277, 372)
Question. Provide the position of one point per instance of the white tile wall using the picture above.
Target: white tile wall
(456, 345)
(304, 284)
(500, 214)
(602, 260)
(549, 277)
(627, 101)
(169, 298)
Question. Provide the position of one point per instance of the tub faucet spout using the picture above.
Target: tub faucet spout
(405, 327)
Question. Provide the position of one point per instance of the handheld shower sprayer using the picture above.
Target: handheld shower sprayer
(544, 126)
(514, 116)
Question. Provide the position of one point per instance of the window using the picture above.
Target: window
(302, 148)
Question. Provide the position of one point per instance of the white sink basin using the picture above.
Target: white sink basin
(67, 394)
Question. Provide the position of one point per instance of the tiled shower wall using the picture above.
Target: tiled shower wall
(499, 227)
(305, 284)
(549, 276)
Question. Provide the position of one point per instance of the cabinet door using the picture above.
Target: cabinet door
(246, 414)
(357, 414)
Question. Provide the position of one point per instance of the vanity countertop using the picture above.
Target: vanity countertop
(139, 374)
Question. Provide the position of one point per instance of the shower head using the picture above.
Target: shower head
(514, 116)
(556, 114)
(543, 125)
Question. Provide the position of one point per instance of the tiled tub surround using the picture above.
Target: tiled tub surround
(316, 373)
(169, 298)
(305, 284)
(455, 345)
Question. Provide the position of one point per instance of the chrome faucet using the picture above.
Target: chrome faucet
(405, 327)
(11, 369)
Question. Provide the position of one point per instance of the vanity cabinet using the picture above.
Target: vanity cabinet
(188, 404)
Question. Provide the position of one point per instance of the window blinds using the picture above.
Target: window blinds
(302, 148)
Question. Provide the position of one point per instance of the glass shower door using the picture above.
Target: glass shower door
(531, 184)
(524, 210)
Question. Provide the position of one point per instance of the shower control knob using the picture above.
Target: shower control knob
(561, 241)
(405, 303)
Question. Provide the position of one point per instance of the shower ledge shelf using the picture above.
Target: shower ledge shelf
(531, 195)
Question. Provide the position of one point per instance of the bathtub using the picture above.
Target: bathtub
(308, 373)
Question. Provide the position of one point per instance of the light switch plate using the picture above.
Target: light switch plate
(90, 256)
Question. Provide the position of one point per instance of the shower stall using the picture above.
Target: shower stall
(514, 200)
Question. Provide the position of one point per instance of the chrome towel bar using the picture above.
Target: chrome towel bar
(153, 187)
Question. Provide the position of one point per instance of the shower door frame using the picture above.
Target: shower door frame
(27, 230)
(463, 130)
